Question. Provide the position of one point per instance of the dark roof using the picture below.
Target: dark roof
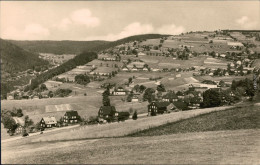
(170, 95)
(107, 110)
(162, 104)
(71, 113)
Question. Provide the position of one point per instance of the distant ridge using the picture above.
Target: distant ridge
(76, 47)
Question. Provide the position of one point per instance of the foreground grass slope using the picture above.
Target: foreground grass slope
(219, 147)
(233, 119)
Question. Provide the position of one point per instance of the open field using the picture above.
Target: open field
(233, 119)
(220, 147)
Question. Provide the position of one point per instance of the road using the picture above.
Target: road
(39, 133)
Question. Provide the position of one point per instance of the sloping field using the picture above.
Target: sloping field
(256, 63)
(233, 119)
(85, 105)
(220, 147)
(154, 42)
(124, 128)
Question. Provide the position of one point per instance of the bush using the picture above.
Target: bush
(122, 116)
(62, 92)
(135, 116)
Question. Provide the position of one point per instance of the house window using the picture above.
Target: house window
(71, 121)
(76, 121)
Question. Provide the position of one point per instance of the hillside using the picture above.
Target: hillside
(129, 39)
(76, 47)
(233, 119)
(15, 59)
(87, 56)
(58, 47)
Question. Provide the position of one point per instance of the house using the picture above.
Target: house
(120, 91)
(10, 96)
(107, 113)
(19, 129)
(159, 107)
(48, 122)
(20, 123)
(145, 69)
(134, 99)
(71, 117)
(170, 97)
(134, 69)
(125, 69)
(107, 57)
(141, 54)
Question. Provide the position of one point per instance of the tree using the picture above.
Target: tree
(211, 98)
(149, 95)
(222, 83)
(43, 87)
(106, 100)
(9, 123)
(27, 121)
(136, 88)
(161, 88)
(130, 80)
(142, 88)
(50, 94)
(135, 116)
(82, 79)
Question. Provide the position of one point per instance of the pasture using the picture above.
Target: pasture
(220, 147)
(233, 119)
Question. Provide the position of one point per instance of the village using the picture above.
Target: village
(150, 77)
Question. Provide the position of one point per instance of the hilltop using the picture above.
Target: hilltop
(76, 47)
(16, 59)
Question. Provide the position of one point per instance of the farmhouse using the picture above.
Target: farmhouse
(235, 44)
(103, 71)
(10, 96)
(125, 69)
(141, 54)
(20, 122)
(48, 122)
(107, 57)
(107, 113)
(134, 99)
(159, 107)
(119, 91)
(71, 117)
(170, 97)
(134, 66)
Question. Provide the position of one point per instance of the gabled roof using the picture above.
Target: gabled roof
(107, 110)
(162, 104)
(170, 95)
(71, 113)
(50, 120)
(19, 120)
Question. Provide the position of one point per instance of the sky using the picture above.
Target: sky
(113, 20)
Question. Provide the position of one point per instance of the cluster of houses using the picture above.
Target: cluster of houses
(70, 117)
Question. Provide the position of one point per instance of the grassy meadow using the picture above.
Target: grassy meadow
(232, 119)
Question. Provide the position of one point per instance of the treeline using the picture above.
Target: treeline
(80, 59)
(58, 47)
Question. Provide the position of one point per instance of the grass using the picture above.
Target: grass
(222, 147)
(233, 119)
(123, 128)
